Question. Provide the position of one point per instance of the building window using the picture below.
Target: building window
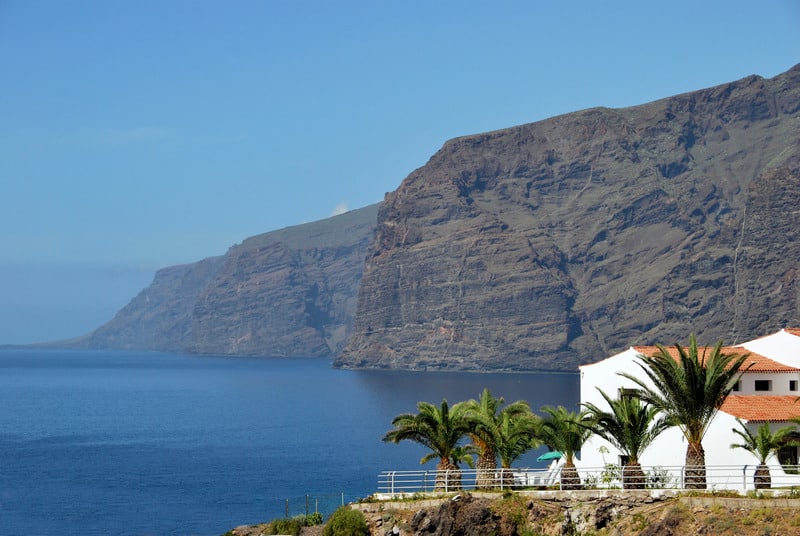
(737, 386)
(763, 385)
(793, 385)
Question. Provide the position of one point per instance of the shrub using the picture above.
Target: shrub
(284, 526)
(346, 522)
(314, 519)
(658, 478)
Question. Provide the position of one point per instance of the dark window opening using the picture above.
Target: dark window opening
(763, 385)
(793, 385)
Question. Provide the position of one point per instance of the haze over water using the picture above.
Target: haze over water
(149, 443)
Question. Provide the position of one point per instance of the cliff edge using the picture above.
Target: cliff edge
(546, 245)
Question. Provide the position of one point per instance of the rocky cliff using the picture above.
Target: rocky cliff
(289, 293)
(560, 242)
(536, 247)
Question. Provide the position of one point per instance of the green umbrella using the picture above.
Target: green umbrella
(552, 455)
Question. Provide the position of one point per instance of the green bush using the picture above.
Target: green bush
(284, 526)
(346, 522)
(314, 519)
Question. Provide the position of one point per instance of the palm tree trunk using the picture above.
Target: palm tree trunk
(506, 478)
(487, 467)
(762, 479)
(695, 468)
(570, 479)
(633, 476)
(448, 477)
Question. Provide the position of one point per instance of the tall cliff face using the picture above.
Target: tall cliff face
(560, 242)
(288, 293)
(160, 316)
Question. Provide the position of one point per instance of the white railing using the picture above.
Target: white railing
(739, 478)
(405, 482)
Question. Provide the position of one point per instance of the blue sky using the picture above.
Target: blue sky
(141, 134)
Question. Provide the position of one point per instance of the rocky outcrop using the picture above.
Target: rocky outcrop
(288, 293)
(160, 316)
(607, 512)
(537, 247)
(550, 244)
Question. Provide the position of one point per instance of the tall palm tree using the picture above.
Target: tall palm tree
(566, 431)
(440, 429)
(484, 416)
(516, 436)
(689, 391)
(762, 445)
(631, 426)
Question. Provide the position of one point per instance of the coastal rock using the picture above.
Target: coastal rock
(465, 517)
(160, 316)
(537, 247)
(556, 243)
(287, 293)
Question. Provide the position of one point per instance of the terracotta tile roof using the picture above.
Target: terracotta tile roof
(762, 408)
(793, 331)
(757, 362)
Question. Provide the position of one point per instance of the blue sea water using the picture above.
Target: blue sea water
(132, 443)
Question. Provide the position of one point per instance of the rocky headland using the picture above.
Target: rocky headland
(537, 247)
(286, 293)
(563, 241)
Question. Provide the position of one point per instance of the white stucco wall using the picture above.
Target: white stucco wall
(779, 386)
(669, 450)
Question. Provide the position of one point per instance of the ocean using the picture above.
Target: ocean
(136, 443)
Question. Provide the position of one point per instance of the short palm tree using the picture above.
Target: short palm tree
(566, 431)
(689, 391)
(440, 429)
(516, 436)
(485, 416)
(631, 426)
(762, 445)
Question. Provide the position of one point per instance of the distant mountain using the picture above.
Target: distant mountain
(537, 247)
(289, 293)
(559, 242)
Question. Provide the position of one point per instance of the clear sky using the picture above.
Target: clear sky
(140, 134)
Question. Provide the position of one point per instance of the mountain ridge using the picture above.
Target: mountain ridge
(591, 230)
(301, 280)
(536, 247)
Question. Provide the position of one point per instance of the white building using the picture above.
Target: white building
(767, 392)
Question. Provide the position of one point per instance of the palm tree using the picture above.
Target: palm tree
(484, 416)
(762, 445)
(631, 426)
(439, 429)
(516, 436)
(689, 391)
(566, 431)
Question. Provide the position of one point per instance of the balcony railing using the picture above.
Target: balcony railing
(741, 478)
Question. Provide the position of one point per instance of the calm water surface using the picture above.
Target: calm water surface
(149, 443)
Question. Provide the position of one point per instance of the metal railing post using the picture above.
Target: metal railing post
(744, 478)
